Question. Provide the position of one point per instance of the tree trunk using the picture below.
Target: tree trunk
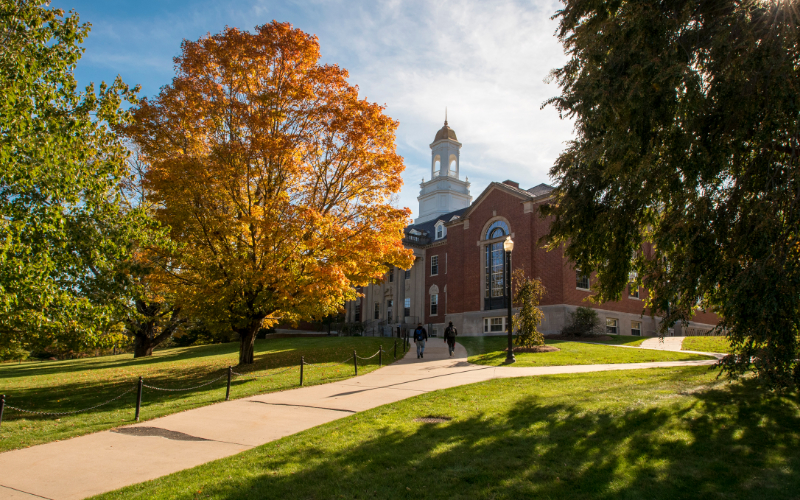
(247, 339)
(142, 346)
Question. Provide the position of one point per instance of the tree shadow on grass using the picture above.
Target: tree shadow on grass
(719, 443)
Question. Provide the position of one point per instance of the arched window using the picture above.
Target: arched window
(440, 231)
(437, 165)
(495, 267)
(496, 230)
(453, 163)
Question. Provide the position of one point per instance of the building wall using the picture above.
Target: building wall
(461, 278)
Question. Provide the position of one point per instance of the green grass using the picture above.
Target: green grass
(655, 434)
(489, 351)
(76, 384)
(706, 344)
(629, 340)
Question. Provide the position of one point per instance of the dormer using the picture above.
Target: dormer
(439, 230)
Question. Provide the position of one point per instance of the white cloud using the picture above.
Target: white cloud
(485, 61)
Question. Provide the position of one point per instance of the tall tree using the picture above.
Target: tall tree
(687, 115)
(274, 177)
(63, 234)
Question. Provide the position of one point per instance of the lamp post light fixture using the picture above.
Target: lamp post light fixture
(508, 246)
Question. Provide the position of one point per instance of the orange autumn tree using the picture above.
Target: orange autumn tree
(275, 179)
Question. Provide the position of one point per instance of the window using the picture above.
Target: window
(633, 291)
(494, 324)
(496, 230)
(611, 326)
(434, 304)
(581, 280)
(357, 316)
(434, 265)
(636, 327)
(495, 276)
(407, 307)
(440, 231)
(408, 274)
(377, 310)
(389, 304)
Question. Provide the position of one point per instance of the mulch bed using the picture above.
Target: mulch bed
(538, 348)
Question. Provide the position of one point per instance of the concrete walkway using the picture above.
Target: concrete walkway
(104, 461)
(664, 343)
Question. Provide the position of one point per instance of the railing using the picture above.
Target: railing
(413, 239)
(140, 385)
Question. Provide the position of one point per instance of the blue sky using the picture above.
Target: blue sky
(485, 61)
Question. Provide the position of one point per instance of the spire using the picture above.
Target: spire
(445, 116)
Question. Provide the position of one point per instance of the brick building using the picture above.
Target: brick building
(458, 273)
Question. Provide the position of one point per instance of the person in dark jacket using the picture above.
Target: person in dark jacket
(450, 337)
(420, 336)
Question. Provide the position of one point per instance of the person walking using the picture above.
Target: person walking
(420, 336)
(450, 337)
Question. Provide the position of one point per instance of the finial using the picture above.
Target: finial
(445, 116)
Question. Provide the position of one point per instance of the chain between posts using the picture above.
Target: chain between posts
(140, 385)
(60, 413)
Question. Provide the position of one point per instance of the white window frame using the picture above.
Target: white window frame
(612, 324)
(487, 324)
(434, 265)
(631, 288)
(440, 231)
(588, 281)
(434, 304)
(637, 330)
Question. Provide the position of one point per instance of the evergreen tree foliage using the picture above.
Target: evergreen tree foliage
(528, 293)
(684, 169)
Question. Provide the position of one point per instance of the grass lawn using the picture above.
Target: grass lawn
(655, 434)
(707, 344)
(60, 386)
(630, 340)
(489, 351)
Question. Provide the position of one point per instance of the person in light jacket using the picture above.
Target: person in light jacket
(420, 336)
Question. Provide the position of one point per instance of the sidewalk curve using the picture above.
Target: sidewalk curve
(104, 461)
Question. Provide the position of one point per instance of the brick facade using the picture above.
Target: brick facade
(460, 281)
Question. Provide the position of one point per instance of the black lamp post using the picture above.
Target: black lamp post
(508, 246)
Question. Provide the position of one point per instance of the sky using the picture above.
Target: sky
(486, 62)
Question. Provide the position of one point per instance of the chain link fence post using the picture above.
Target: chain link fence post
(228, 390)
(302, 363)
(139, 398)
(355, 361)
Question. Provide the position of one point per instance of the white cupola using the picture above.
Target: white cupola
(445, 192)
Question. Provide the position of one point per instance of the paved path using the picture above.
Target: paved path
(664, 343)
(104, 461)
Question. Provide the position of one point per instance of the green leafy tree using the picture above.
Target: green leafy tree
(584, 322)
(528, 293)
(65, 241)
(685, 168)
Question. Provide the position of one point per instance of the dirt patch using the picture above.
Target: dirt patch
(588, 338)
(536, 348)
(433, 420)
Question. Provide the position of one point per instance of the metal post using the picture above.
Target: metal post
(228, 390)
(355, 362)
(302, 362)
(139, 398)
(380, 356)
(510, 356)
(2, 406)
(395, 349)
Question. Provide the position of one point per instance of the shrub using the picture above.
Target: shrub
(584, 322)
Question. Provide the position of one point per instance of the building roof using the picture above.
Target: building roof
(445, 133)
(428, 228)
(540, 189)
